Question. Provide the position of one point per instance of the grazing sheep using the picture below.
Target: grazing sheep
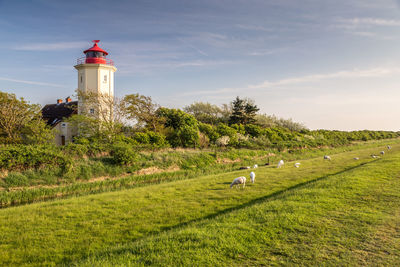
(389, 147)
(356, 158)
(297, 164)
(244, 168)
(252, 177)
(373, 156)
(382, 152)
(327, 157)
(280, 164)
(255, 166)
(238, 181)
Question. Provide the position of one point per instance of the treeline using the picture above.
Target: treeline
(122, 127)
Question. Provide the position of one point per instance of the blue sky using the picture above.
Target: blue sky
(327, 64)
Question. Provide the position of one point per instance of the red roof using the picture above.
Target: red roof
(95, 48)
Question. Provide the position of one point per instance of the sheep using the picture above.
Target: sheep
(244, 168)
(389, 147)
(255, 166)
(375, 157)
(252, 177)
(327, 157)
(382, 152)
(297, 164)
(356, 158)
(280, 164)
(238, 181)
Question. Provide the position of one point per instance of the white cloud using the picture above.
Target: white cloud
(356, 73)
(51, 46)
(366, 22)
(31, 82)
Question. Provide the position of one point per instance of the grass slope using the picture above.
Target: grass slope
(348, 219)
(65, 231)
(194, 163)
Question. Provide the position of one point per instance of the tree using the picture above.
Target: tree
(243, 111)
(142, 109)
(101, 116)
(183, 127)
(15, 117)
(205, 112)
(37, 132)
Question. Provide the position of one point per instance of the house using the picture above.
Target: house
(55, 115)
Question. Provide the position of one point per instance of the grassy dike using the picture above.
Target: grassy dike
(104, 227)
(38, 186)
(347, 219)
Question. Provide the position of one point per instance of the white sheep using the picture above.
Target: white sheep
(238, 181)
(356, 158)
(255, 166)
(389, 147)
(375, 157)
(327, 157)
(297, 164)
(280, 163)
(382, 152)
(252, 177)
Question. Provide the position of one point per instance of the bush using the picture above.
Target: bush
(123, 153)
(76, 150)
(141, 138)
(21, 157)
(209, 131)
(253, 130)
(157, 139)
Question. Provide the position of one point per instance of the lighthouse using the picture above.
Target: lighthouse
(95, 79)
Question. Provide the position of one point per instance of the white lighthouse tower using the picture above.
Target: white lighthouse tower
(96, 80)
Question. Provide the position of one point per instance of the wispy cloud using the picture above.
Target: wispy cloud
(266, 52)
(129, 68)
(356, 73)
(31, 82)
(193, 47)
(365, 22)
(50, 46)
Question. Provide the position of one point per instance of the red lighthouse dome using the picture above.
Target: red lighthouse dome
(95, 55)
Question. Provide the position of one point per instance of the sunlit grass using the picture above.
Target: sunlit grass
(123, 224)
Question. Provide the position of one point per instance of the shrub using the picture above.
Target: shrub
(141, 138)
(210, 131)
(223, 141)
(157, 139)
(21, 157)
(225, 130)
(253, 130)
(123, 153)
(76, 150)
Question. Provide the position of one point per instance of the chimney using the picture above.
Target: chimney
(68, 99)
(59, 101)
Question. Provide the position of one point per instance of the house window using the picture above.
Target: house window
(91, 111)
(105, 79)
(63, 125)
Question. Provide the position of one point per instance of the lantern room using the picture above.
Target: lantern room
(95, 55)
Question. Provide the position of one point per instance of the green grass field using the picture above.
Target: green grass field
(338, 212)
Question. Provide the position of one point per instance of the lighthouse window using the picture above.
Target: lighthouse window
(81, 79)
(91, 111)
(105, 79)
(94, 54)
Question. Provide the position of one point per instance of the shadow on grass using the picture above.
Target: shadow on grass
(272, 196)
